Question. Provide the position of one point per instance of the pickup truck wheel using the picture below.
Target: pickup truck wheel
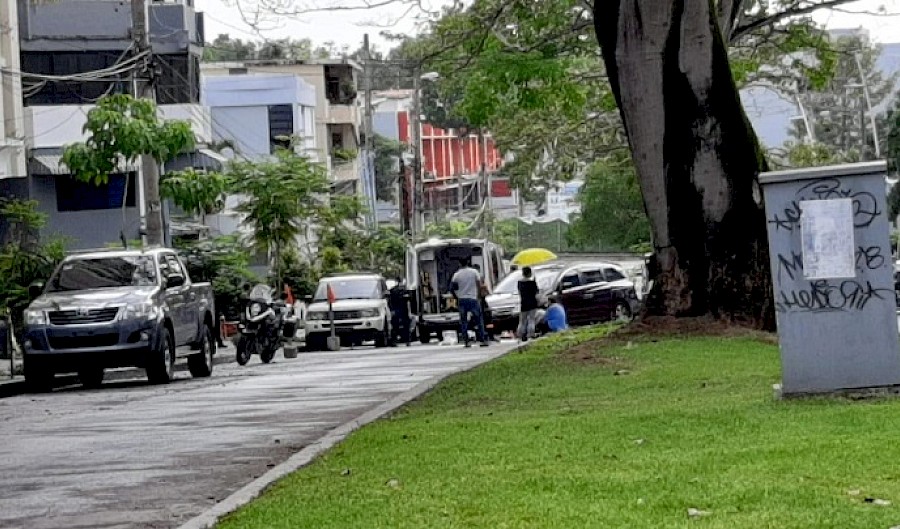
(161, 363)
(242, 351)
(201, 364)
(37, 379)
(91, 377)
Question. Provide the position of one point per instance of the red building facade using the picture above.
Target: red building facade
(446, 156)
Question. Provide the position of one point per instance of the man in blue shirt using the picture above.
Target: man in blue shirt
(556, 316)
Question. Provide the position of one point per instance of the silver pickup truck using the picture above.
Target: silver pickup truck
(120, 308)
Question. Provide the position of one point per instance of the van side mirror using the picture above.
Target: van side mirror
(36, 289)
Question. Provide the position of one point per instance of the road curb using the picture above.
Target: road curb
(251, 491)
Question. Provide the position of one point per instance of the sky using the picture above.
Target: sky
(348, 27)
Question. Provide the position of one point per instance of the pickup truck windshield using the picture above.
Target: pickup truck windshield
(106, 272)
(349, 289)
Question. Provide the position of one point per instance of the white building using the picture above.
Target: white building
(254, 114)
(12, 147)
(337, 113)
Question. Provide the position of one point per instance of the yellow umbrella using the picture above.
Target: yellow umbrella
(533, 256)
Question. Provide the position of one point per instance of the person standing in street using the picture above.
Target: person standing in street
(528, 294)
(399, 303)
(465, 285)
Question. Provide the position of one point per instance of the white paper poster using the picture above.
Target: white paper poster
(826, 229)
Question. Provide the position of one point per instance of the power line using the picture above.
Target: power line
(126, 66)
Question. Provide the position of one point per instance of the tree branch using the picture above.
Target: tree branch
(797, 9)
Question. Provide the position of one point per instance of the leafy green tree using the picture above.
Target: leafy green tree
(893, 201)
(301, 275)
(282, 198)
(331, 261)
(612, 211)
(23, 258)
(892, 143)
(838, 110)
(120, 128)
(388, 249)
(196, 192)
(453, 229)
(683, 119)
(224, 262)
(224, 48)
(811, 155)
(388, 154)
(286, 48)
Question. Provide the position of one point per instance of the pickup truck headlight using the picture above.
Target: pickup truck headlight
(141, 311)
(35, 317)
(316, 316)
(369, 313)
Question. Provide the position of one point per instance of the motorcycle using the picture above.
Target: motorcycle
(262, 325)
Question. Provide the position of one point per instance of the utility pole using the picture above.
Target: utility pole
(868, 96)
(370, 140)
(810, 131)
(417, 187)
(143, 89)
(460, 193)
(486, 178)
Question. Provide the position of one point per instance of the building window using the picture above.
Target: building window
(74, 195)
(337, 140)
(281, 126)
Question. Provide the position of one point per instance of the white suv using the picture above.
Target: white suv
(361, 311)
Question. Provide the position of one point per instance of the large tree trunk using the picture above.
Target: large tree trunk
(696, 155)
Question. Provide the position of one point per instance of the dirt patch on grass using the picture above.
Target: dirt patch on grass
(653, 330)
(656, 328)
(589, 354)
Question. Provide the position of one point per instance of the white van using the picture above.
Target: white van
(430, 266)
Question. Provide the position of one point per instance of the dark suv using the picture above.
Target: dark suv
(590, 292)
(596, 292)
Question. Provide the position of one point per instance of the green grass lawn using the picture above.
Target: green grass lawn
(544, 440)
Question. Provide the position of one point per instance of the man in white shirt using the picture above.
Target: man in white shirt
(466, 286)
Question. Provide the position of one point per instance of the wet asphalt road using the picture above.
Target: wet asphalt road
(131, 455)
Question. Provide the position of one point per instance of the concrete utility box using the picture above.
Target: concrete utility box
(833, 278)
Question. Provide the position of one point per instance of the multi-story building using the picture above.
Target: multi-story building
(59, 43)
(12, 146)
(337, 116)
(450, 158)
(254, 115)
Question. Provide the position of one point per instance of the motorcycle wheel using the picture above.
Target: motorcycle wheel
(243, 351)
(267, 355)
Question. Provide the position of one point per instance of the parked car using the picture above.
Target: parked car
(596, 292)
(504, 302)
(360, 308)
(120, 308)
